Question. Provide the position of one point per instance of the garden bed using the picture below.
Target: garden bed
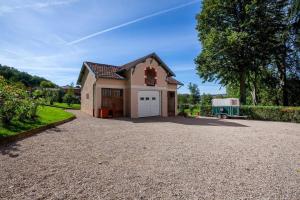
(46, 117)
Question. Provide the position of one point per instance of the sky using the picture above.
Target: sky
(52, 38)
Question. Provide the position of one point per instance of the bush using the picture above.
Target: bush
(69, 99)
(206, 110)
(15, 103)
(272, 113)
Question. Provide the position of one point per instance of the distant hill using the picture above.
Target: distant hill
(13, 75)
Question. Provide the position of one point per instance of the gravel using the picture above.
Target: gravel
(154, 158)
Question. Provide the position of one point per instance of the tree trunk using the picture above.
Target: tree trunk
(254, 96)
(254, 91)
(242, 87)
(282, 77)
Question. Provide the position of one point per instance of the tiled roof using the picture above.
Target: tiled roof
(115, 72)
(105, 71)
(172, 80)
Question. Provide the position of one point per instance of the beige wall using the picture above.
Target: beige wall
(88, 81)
(138, 83)
(138, 75)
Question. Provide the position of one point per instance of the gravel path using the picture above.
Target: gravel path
(155, 158)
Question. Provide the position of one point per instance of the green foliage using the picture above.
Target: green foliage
(183, 99)
(13, 75)
(194, 97)
(69, 99)
(206, 100)
(45, 115)
(51, 96)
(272, 113)
(15, 103)
(248, 46)
(61, 94)
(47, 84)
(206, 110)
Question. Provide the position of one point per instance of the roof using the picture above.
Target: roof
(115, 72)
(105, 71)
(172, 80)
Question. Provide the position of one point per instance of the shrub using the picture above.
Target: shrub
(15, 103)
(69, 99)
(272, 113)
(206, 110)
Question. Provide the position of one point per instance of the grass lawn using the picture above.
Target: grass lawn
(46, 115)
(66, 106)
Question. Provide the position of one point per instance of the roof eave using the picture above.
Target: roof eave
(84, 65)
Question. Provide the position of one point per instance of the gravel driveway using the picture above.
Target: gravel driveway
(155, 158)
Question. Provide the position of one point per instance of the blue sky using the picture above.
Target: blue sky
(51, 38)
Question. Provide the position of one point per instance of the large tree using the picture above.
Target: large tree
(237, 39)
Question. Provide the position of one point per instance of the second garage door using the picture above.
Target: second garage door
(149, 103)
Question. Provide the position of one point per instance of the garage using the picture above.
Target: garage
(148, 103)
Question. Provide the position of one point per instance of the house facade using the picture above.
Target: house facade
(142, 88)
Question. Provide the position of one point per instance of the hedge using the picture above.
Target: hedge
(269, 113)
(206, 111)
(272, 113)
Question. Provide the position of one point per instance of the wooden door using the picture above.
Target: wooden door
(112, 99)
(171, 103)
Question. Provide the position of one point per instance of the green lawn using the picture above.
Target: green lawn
(46, 115)
(66, 106)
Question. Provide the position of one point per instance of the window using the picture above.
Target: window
(153, 98)
(87, 96)
(142, 98)
(147, 98)
(150, 76)
(108, 92)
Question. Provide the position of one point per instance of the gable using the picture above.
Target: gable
(139, 73)
(143, 59)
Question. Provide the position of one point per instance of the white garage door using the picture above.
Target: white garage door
(149, 103)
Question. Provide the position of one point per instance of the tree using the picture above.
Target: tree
(13, 75)
(206, 100)
(15, 102)
(183, 99)
(47, 84)
(236, 43)
(194, 97)
(70, 97)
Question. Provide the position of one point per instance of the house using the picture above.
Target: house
(142, 88)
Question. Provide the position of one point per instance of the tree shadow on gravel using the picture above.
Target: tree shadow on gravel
(184, 121)
(10, 149)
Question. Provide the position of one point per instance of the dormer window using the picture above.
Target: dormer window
(150, 76)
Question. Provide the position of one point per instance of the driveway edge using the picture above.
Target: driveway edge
(28, 133)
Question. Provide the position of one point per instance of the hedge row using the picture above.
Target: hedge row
(206, 111)
(269, 113)
(272, 113)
